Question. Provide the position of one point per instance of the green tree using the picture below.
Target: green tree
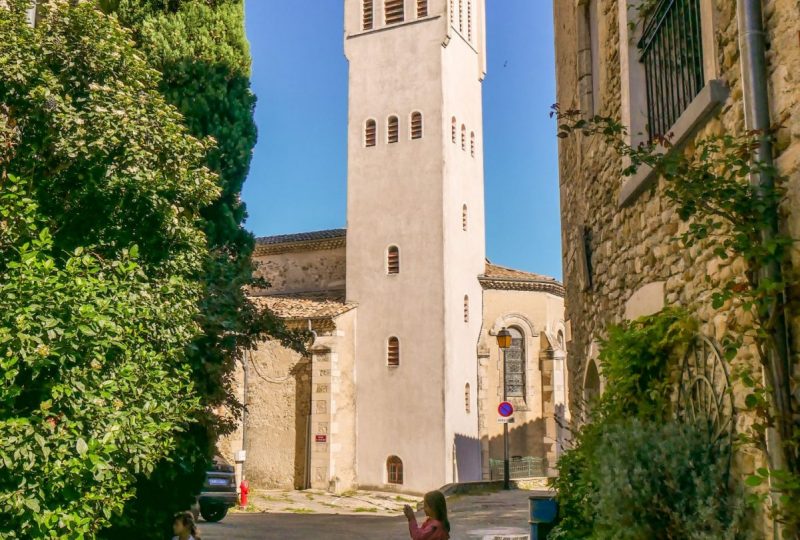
(201, 50)
(102, 258)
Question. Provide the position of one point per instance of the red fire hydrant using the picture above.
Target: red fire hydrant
(244, 489)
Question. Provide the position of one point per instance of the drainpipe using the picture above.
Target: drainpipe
(757, 117)
(245, 361)
(307, 479)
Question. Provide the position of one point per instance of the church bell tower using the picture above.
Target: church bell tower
(415, 237)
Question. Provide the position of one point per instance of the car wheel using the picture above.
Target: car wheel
(213, 513)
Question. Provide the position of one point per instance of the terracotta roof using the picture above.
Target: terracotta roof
(301, 237)
(501, 277)
(316, 305)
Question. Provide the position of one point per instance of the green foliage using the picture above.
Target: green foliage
(660, 481)
(94, 386)
(201, 51)
(636, 358)
(102, 263)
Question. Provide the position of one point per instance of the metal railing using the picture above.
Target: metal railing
(672, 53)
(526, 467)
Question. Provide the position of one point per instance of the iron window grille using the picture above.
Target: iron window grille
(672, 53)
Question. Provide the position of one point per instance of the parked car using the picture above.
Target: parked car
(219, 492)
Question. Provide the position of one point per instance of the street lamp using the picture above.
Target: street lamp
(504, 342)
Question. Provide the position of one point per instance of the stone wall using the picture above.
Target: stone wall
(632, 247)
(278, 406)
(303, 271)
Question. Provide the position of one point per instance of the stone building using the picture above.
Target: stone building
(621, 259)
(401, 387)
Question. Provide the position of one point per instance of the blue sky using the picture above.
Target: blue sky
(298, 176)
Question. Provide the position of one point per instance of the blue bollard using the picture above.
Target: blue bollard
(543, 509)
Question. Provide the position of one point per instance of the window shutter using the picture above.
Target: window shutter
(466, 308)
(463, 137)
(464, 217)
(472, 144)
(422, 8)
(367, 14)
(453, 130)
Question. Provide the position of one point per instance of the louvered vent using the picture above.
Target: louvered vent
(393, 260)
(472, 144)
(393, 10)
(393, 129)
(416, 125)
(370, 133)
(422, 8)
(393, 352)
(368, 10)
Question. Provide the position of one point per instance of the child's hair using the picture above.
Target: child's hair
(187, 518)
(436, 502)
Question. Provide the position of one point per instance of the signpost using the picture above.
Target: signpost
(505, 410)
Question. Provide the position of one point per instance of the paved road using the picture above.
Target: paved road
(305, 527)
(472, 516)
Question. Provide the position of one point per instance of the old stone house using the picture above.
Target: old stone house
(676, 72)
(403, 380)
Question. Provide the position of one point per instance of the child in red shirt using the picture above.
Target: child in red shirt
(436, 527)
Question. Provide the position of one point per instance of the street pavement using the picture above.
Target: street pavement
(502, 514)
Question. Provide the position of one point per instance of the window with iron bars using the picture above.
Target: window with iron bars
(672, 54)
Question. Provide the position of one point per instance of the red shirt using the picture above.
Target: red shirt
(430, 530)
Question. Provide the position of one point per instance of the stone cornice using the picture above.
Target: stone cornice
(306, 245)
(512, 284)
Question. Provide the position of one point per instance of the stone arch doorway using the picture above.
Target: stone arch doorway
(591, 386)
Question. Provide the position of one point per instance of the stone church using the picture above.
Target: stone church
(400, 386)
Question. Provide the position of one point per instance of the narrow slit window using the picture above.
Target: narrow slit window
(370, 133)
(393, 129)
(469, 20)
(466, 308)
(416, 125)
(393, 260)
(463, 137)
(393, 10)
(394, 470)
(422, 8)
(453, 130)
(472, 144)
(393, 352)
(464, 217)
(367, 14)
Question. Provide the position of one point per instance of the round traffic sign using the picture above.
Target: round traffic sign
(505, 409)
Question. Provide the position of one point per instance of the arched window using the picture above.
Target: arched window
(466, 308)
(466, 398)
(393, 260)
(472, 143)
(367, 14)
(515, 365)
(370, 133)
(394, 470)
(453, 130)
(461, 16)
(560, 339)
(393, 10)
(416, 125)
(422, 8)
(463, 137)
(469, 20)
(464, 217)
(393, 129)
(393, 352)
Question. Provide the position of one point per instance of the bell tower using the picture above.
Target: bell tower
(415, 236)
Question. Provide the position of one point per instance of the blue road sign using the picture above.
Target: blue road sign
(505, 409)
